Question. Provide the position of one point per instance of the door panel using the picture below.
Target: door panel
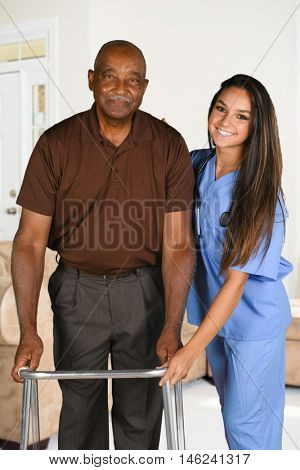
(10, 153)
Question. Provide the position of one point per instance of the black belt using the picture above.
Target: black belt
(135, 271)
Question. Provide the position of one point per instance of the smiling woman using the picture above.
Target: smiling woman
(229, 122)
(243, 108)
(237, 297)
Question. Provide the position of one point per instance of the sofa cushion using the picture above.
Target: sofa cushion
(293, 331)
(50, 264)
(5, 258)
(292, 363)
(9, 323)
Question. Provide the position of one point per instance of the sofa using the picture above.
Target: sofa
(49, 392)
(293, 347)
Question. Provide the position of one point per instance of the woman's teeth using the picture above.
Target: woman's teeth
(224, 133)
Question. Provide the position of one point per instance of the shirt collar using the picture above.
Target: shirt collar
(140, 130)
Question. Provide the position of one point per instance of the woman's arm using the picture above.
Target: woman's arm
(220, 310)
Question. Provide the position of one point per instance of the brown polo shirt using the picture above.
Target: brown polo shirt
(108, 203)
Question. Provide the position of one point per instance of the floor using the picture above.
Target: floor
(203, 422)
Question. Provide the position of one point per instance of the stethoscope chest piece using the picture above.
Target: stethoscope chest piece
(224, 219)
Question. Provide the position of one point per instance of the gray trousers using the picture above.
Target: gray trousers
(92, 318)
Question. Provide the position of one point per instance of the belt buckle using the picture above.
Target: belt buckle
(111, 276)
(119, 275)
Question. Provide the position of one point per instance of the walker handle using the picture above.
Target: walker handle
(22, 368)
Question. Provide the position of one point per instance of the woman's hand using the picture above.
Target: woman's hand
(179, 365)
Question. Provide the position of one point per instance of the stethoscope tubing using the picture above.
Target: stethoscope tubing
(224, 218)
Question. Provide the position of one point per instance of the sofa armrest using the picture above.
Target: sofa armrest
(9, 325)
(9, 322)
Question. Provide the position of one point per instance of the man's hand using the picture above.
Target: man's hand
(168, 343)
(29, 353)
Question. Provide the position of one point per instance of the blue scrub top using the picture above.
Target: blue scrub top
(263, 311)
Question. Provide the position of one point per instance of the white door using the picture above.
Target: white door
(10, 149)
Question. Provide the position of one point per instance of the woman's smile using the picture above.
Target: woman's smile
(224, 133)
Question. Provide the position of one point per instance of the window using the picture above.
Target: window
(38, 111)
(23, 50)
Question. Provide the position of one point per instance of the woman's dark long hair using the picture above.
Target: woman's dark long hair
(258, 183)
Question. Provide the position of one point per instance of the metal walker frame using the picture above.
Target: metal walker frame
(175, 439)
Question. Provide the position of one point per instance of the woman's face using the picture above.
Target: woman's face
(230, 121)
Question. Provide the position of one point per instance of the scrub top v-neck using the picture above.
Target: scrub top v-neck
(263, 311)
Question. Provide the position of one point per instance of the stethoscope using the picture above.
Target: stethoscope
(225, 217)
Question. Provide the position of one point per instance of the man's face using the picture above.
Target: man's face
(118, 82)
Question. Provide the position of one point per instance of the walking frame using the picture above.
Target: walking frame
(175, 439)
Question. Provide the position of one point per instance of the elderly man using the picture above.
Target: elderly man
(110, 190)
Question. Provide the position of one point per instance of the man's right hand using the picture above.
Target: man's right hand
(29, 353)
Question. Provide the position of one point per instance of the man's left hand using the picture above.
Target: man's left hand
(168, 343)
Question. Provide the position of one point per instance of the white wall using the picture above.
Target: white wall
(190, 47)
(295, 167)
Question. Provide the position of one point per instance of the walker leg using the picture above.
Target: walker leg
(170, 432)
(25, 414)
(35, 415)
(179, 416)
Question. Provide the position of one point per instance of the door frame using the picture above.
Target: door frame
(44, 28)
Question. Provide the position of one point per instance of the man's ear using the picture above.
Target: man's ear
(91, 79)
(145, 84)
